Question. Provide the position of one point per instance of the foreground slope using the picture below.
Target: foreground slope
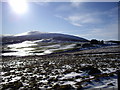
(67, 71)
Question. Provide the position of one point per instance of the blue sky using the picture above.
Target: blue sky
(91, 20)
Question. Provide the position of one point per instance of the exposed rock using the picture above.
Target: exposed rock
(52, 79)
(63, 87)
(91, 70)
(79, 87)
(111, 84)
(13, 85)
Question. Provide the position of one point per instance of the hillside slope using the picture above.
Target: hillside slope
(36, 35)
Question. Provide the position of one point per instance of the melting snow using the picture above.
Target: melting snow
(24, 49)
(70, 75)
(23, 44)
(69, 82)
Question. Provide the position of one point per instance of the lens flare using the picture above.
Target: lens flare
(18, 6)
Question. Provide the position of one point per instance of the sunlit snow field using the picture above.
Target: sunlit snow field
(27, 48)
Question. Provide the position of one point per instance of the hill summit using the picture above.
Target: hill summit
(36, 35)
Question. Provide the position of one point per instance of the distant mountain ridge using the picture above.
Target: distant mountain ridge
(36, 35)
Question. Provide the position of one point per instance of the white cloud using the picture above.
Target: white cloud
(76, 24)
(80, 20)
(96, 24)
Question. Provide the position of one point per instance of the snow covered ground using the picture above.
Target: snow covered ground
(37, 68)
(60, 71)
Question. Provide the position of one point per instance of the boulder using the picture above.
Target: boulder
(91, 70)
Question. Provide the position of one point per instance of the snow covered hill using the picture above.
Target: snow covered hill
(36, 35)
(38, 43)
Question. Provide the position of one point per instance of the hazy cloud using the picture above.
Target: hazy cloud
(42, 3)
(80, 20)
(109, 32)
(76, 24)
(75, 4)
(83, 19)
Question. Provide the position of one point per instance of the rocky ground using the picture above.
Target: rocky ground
(96, 68)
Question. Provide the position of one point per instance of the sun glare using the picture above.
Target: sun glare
(18, 6)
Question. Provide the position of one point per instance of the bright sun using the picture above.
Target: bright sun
(19, 6)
